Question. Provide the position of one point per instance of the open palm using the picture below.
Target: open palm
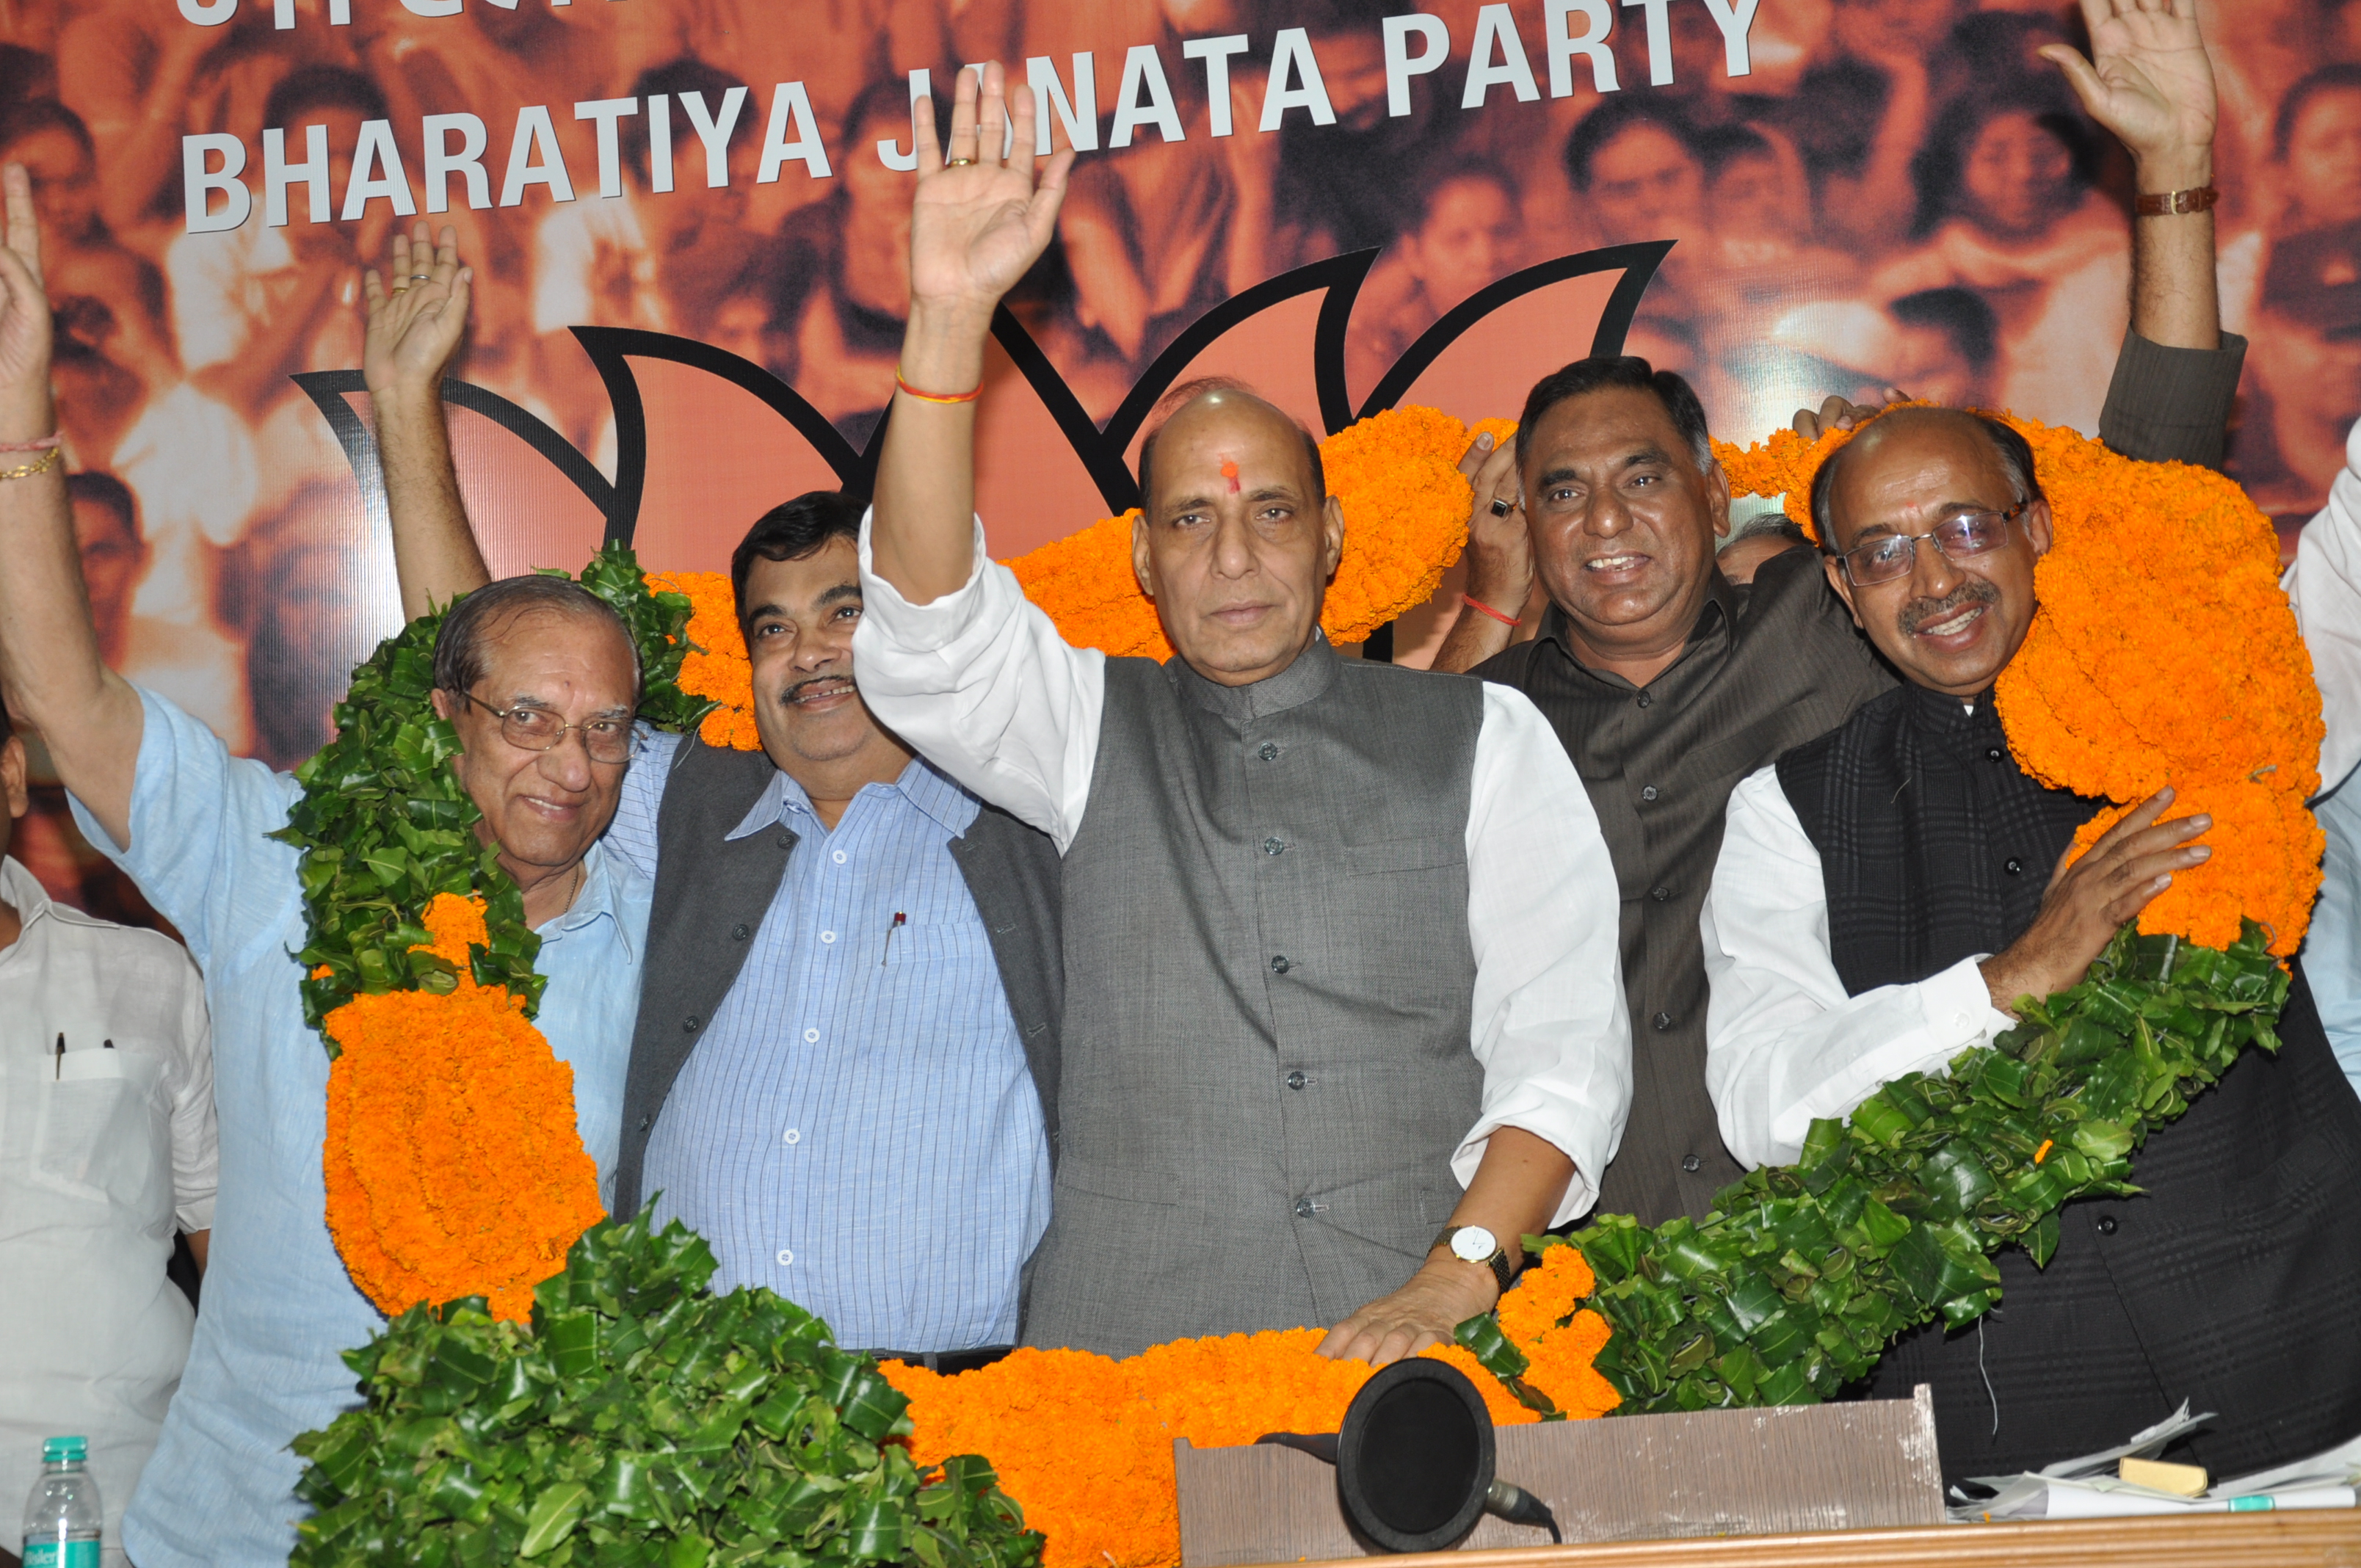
(417, 312)
(2149, 81)
(979, 219)
(24, 327)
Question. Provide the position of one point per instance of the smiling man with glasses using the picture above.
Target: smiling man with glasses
(1884, 895)
(539, 678)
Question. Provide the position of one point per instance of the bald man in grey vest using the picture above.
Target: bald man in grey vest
(1343, 1015)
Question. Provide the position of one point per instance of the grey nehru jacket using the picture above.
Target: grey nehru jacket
(1265, 1050)
(1767, 667)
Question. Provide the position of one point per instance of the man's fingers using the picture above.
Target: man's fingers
(2078, 72)
(24, 226)
(992, 138)
(1041, 212)
(925, 143)
(372, 290)
(963, 112)
(447, 255)
(2139, 819)
(2125, 908)
(1479, 452)
(1344, 1342)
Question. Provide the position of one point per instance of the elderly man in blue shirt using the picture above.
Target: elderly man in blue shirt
(844, 1074)
(162, 796)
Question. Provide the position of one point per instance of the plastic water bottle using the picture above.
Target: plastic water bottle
(63, 1519)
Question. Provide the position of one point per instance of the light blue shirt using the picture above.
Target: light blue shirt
(857, 1128)
(279, 1307)
(2332, 949)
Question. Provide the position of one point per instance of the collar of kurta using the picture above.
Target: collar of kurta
(785, 799)
(1717, 614)
(1311, 673)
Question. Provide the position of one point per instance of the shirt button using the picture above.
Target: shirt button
(786, 840)
(688, 1025)
(1272, 847)
(827, 936)
(2106, 1225)
(1296, 1080)
(740, 933)
(1648, 793)
(2013, 865)
(793, 1136)
(1269, 753)
(1644, 700)
(1305, 1208)
(1691, 1164)
(787, 1256)
(838, 857)
(811, 1036)
(1993, 754)
(1661, 1020)
(646, 1121)
(1660, 894)
(1279, 965)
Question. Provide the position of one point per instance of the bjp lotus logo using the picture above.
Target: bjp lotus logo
(705, 441)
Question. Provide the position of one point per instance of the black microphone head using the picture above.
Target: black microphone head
(1415, 1457)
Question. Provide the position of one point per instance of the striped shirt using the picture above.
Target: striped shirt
(857, 1128)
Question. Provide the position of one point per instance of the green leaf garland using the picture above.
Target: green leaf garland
(641, 1423)
(384, 824)
(1804, 1273)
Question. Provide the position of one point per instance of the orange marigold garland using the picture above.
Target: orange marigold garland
(451, 1161)
(1085, 1442)
(2163, 655)
(716, 668)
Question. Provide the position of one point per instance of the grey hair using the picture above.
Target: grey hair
(478, 617)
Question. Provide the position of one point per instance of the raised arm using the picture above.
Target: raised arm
(417, 317)
(977, 223)
(2149, 81)
(49, 667)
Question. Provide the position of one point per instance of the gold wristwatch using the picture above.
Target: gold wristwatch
(1474, 1243)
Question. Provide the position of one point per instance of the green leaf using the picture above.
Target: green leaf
(554, 1514)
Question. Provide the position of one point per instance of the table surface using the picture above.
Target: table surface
(2308, 1538)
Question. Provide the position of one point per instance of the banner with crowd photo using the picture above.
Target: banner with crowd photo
(689, 221)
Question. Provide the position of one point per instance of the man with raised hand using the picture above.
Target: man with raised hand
(844, 1073)
(1886, 895)
(539, 678)
(1334, 933)
(1668, 683)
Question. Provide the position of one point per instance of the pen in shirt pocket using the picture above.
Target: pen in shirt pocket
(886, 952)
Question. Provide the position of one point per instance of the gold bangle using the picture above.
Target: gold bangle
(41, 465)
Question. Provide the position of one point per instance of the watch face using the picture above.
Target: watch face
(1474, 1243)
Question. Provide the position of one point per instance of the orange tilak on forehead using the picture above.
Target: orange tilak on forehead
(1230, 472)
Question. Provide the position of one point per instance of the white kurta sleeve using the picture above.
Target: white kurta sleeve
(981, 685)
(1548, 1023)
(2324, 585)
(1785, 1043)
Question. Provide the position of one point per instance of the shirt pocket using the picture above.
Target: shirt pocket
(920, 945)
(98, 1128)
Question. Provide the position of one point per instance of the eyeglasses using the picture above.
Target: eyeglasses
(538, 730)
(1969, 533)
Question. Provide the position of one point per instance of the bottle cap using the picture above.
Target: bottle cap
(65, 1450)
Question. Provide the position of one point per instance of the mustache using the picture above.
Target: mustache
(788, 693)
(1924, 611)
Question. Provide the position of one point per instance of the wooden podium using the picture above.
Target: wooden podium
(1846, 1486)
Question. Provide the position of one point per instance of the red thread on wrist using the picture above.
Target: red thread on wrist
(1477, 604)
(967, 396)
(41, 446)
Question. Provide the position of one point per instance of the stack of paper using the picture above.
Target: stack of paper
(2086, 1488)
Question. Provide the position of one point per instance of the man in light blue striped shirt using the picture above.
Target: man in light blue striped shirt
(844, 1071)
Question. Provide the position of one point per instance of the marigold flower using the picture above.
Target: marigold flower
(717, 667)
(2215, 698)
(1085, 1442)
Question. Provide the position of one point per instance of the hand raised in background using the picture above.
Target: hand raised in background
(25, 413)
(417, 320)
(2149, 81)
(980, 220)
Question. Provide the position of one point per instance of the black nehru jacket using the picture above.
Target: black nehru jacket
(1766, 668)
(2232, 1279)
